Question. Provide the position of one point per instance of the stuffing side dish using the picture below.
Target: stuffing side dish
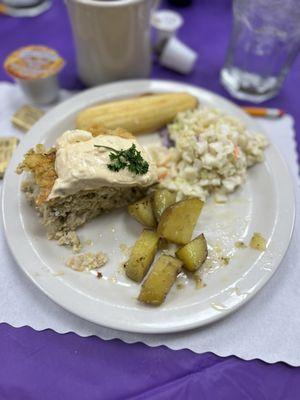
(211, 154)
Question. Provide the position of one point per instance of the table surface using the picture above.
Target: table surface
(47, 365)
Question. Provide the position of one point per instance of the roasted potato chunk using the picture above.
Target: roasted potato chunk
(142, 255)
(258, 242)
(162, 199)
(194, 253)
(142, 211)
(160, 280)
(178, 221)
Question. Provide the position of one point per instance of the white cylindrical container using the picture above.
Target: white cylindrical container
(166, 24)
(178, 56)
(40, 91)
(112, 39)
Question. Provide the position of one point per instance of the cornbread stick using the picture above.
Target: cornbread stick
(139, 115)
(114, 132)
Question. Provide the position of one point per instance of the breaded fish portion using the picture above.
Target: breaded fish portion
(41, 163)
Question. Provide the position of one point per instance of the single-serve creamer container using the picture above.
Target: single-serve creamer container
(112, 38)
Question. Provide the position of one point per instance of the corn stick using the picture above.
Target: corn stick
(138, 115)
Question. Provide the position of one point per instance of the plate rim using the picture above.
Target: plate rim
(30, 136)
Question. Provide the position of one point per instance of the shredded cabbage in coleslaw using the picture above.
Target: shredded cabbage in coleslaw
(211, 155)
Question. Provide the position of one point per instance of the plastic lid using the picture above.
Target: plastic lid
(33, 62)
(166, 20)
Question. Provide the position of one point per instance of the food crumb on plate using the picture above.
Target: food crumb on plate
(58, 273)
(198, 281)
(225, 260)
(125, 249)
(258, 242)
(169, 250)
(180, 285)
(87, 261)
(240, 244)
(67, 239)
(113, 279)
(220, 198)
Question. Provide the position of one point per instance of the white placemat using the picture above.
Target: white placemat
(268, 327)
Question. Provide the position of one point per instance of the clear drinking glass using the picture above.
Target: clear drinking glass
(264, 43)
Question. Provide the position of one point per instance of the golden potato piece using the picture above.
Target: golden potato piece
(258, 242)
(178, 221)
(160, 280)
(162, 199)
(137, 115)
(194, 253)
(142, 211)
(142, 255)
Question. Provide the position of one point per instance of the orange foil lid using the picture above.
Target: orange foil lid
(33, 62)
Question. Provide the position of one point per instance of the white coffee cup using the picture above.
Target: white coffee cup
(112, 38)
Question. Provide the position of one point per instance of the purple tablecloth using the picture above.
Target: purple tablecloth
(46, 365)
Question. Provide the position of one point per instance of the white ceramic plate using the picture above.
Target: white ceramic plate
(265, 205)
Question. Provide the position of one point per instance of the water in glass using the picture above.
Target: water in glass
(264, 43)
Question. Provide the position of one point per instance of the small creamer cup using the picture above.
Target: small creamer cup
(35, 69)
(40, 91)
(166, 24)
(178, 56)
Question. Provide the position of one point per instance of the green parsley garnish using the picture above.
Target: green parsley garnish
(130, 158)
